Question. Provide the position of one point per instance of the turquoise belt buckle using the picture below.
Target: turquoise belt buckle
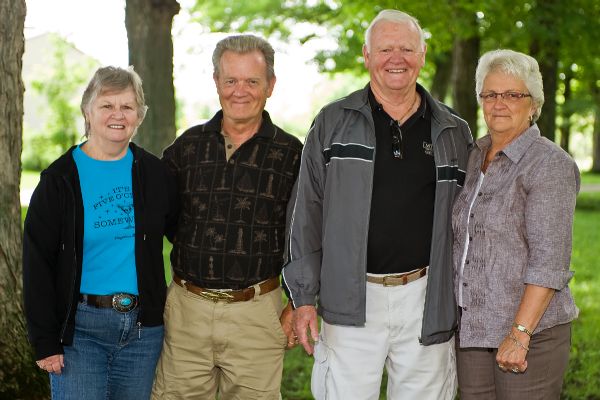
(124, 302)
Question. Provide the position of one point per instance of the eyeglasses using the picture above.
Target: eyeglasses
(509, 97)
(396, 140)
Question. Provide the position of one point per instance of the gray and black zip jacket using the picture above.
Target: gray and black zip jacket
(326, 253)
(53, 247)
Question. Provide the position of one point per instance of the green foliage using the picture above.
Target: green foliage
(583, 373)
(61, 88)
(337, 28)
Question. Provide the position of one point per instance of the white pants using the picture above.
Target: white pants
(349, 360)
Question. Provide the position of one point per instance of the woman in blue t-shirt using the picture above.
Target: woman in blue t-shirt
(93, 274)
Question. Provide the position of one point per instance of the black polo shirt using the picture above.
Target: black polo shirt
(403, 196)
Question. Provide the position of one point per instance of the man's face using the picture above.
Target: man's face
(395, 56)
(243, 86)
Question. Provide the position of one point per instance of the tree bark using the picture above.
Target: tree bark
(465, 56)
(148, 24)
(19, 376)
(443, 74)
(567, 112)
(595, 90)
(544, 48)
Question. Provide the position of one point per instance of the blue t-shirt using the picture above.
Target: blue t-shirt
(109, 225)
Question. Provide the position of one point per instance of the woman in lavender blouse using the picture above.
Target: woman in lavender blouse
(513, 229)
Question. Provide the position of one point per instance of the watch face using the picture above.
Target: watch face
(124, 302)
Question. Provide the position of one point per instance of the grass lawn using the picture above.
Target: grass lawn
(588, 177)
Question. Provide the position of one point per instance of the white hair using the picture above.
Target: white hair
(516, 64)
(397, 17)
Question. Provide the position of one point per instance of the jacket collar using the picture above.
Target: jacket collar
(441, 115)
(65, 163)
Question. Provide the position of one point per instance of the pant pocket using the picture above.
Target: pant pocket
(318, 382)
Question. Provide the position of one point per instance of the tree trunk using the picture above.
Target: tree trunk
(595, 90)
(465, 56)
(19, 376)
(567, 112)
(443, 74)
(544, 48)
(148, 24)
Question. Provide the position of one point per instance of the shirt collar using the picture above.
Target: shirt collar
(266, 127)
(377, 107)
(515, 149)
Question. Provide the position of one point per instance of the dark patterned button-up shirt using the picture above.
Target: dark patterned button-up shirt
(233, 212)
(519, 232)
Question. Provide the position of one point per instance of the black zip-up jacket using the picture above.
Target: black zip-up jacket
(53, 247)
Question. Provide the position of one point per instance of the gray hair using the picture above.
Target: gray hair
(397, 17)
(516, 64)
(109, 79)
(245, 44)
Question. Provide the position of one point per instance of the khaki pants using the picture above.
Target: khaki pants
(236, 349)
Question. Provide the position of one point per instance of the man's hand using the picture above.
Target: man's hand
(287, 325)
(53, 364)
(305, 317)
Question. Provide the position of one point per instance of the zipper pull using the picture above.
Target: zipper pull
(139, 324)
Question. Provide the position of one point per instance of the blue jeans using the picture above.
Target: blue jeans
(112, 357)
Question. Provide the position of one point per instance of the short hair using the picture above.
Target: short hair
(245, 44)
(109, 79)
(398, 17)
(519, 65)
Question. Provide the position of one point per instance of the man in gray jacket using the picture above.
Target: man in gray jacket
(370, 239)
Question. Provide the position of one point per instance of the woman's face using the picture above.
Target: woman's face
(508, 116)
(113, 116)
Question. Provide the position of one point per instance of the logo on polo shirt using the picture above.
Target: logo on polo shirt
(428, 148)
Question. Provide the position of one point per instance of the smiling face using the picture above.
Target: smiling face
(504, 117)
(113, 117)
(243, 86)
(394, 57)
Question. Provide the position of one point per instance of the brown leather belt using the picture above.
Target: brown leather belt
(399, 279)
(121, 302)
(228, 296)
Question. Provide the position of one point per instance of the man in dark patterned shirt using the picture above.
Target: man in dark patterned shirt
(226, 328)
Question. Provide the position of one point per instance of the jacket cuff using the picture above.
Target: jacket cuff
(47, 349)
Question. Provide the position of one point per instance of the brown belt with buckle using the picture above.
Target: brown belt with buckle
(228, 296)
(121, 302)
(399, 279)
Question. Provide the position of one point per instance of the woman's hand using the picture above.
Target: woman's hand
(512, 353)
(53, 364)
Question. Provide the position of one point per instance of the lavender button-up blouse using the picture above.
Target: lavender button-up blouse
(519, 230)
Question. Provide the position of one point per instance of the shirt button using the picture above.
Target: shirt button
(464, 308)
(467, 262)
(229, 146)
(472, 215)
(480, 194)
(465, 284)
(231, 161)
(470, 238)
